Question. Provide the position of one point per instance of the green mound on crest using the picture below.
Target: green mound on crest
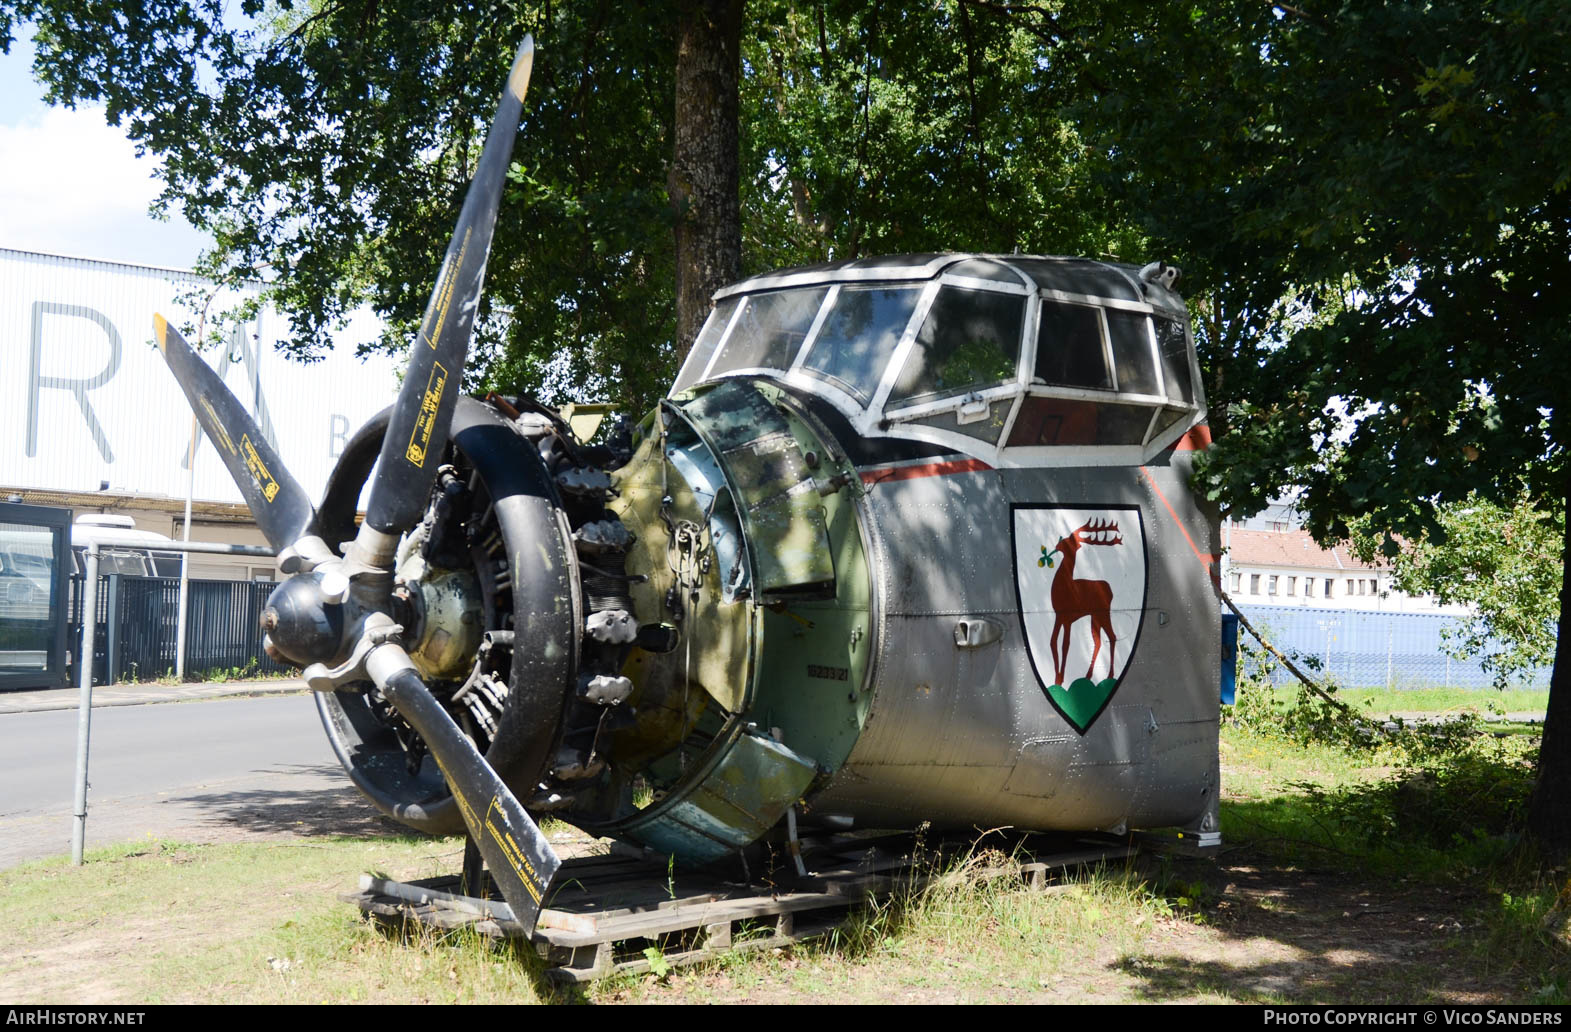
(1082, 700)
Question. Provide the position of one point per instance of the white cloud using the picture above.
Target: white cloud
(72, 184)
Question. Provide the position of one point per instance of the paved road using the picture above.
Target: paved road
(105, 695)
(199, 771)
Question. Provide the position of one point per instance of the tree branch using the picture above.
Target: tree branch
(1292, 668)
(1044, 27)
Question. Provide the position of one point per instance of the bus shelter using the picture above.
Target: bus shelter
(35, 571)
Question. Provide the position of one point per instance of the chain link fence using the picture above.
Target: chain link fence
(1369, 649)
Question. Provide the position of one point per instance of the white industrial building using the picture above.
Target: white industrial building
(1283, 566)
(100, 426)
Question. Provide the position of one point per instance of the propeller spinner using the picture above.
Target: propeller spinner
(334, 615)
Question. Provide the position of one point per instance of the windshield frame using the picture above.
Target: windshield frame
(873, 418)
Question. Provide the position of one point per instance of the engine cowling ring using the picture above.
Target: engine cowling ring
(547, 617)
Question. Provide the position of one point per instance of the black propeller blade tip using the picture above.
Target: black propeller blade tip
(282, 510)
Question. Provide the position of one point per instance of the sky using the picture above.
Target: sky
(72, 184)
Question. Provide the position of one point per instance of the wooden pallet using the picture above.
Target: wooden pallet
(606, 911)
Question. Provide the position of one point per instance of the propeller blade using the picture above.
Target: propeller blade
(521, 861)
(280, 505)
(418, 433)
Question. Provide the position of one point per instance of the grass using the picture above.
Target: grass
(1452, 823)
(1433, 699)
(250, 923)
(970, 937)
(170, 922)
(250, 671)
(1371, 812)
(166, 922)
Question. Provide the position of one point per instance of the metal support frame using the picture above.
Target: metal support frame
(112, 632)
(84, 718)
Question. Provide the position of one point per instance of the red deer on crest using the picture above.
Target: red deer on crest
(1073, 599)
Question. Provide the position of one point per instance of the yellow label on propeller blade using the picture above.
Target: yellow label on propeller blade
(425, 419)
(497, 828)
(216, 426)
(258, 469)
(502, 835)
(464, 809)
(432, 330)
(518, 81)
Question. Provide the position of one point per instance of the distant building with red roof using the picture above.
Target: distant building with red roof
(1285, 567)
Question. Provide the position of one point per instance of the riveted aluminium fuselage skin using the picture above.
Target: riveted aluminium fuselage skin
(871, 686)
(962, 736)
(901, 623)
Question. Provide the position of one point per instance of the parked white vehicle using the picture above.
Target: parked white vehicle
(27, 561)
(145, 560)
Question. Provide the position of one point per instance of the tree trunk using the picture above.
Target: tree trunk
(1549, 816)
(704, 165)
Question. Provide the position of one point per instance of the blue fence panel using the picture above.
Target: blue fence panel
(1372, 649)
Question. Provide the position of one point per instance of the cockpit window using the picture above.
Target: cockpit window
(1130, 334)
(969, 340)
(1173, 344)
(983, 420)
(770, 330)
(859, 334)
(704, 347)
(1079, 277)
(1069, 421)
(1069, 349)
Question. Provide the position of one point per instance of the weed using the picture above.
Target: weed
(658, 965)
(250, 670)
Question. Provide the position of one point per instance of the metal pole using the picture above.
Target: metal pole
(84, 718)
(85, 674)
(190, 490)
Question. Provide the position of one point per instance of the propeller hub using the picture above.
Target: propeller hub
(302, 624)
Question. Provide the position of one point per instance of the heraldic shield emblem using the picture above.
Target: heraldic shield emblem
(1081, 577)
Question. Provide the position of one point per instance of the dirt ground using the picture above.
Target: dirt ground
(1265, 934)
(1262, 932)
(1274, 933)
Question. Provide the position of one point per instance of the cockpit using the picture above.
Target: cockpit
(1022, 360)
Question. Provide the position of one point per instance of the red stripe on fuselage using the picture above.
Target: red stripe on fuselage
(927, 469)
(1197, 439)
(1211, 562)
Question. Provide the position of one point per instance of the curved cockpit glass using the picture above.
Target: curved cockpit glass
(769, 330)
(969, 341)
(1020, 353)
(859, 334)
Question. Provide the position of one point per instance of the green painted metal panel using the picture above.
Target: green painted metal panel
(743, 797)
(768, 474)
(814, 654)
